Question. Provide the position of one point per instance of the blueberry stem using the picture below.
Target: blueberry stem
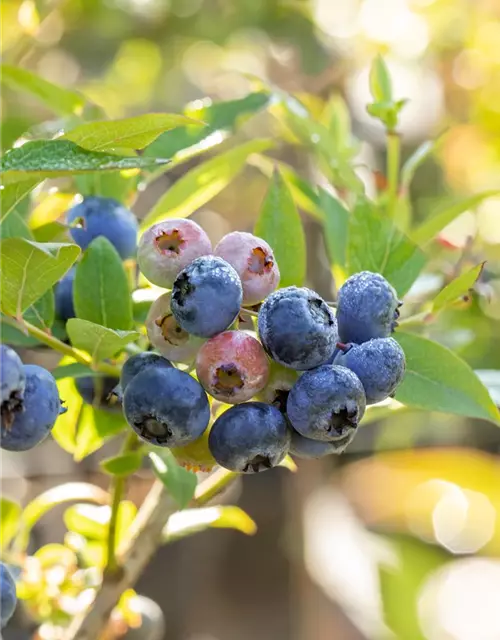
(57, 345)
(255, 314)
(393, 159)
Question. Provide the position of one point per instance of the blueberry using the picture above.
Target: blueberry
(367, 307)
(379, 364)
(41, 408)
(232, 366)
(297, 328)
(97, 216)
(64, 296)
(166, 335)
(206, 296)
(166, 407)
(8, 597)
(326, 403)
(137, 363)
(250, 437)
(169, 246)
(309, 448)
(97, 390)
(254, 262)
(12, 384)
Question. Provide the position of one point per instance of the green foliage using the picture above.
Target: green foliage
(9, 523)
(457, 288)
(180, 483)
(191, 521)
(100, 342)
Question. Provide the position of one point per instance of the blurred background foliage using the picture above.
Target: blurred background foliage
(401, 536)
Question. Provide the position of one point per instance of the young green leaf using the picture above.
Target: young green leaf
(279, 223)
(100, 291)
(196, 187)
(185, 523)
(457, 288)
(179, 482)
(89, 520)
(417, 158)
(29, 269)
(336, 227)
(129, 133)
(65, 428)
(12, 194)
(439, 219)
(99, 341)
(380, 81)
(15, 227)
(95, 426)
(9, 522)
(42, 312)
(52, 158)
(62, 101)
(437, 379)
(122, 465)
(72, 370)
(376, 244)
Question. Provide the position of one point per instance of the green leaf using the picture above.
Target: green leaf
(119, 185)
(380, 81)
(11, 195)
(72, 370)
(42, 312)
(129, 133)
(64, 431)
(29, 269)
(221, 118)
(279, 223)
(337, 119)
(123, 464)
(51, 232)
(179, 482)
(100, 291)
(95, 426)
(376, 244)
(99, 341)
(196, 187)
(185, 523)
(417, 158)
(437, 379)
(439, 219)
(15, 227)
(62, 101)
(88, 520)
(336, 227)
(52, 158)
(457, 288)
(79, 491)
(10, 513)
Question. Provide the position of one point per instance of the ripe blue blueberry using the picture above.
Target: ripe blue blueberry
(42, 405)
(8, 597)
(326, 403)
(249, 437)
(12, 384)
(206, 296)
(137, 363)
(166, 407)
(97, 216)
(367, 307)
(63, 293)
(297, 328)
(309, 448)
(98, 391)
(379, 364)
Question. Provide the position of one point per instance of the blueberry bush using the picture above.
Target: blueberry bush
(203, 362)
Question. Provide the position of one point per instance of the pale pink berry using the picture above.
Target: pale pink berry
(167, 336)
(253, 260)
(169, 246)
(232, 367)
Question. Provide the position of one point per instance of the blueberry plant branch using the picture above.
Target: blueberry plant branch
(136, 551)
(58, 345)
(393, 160)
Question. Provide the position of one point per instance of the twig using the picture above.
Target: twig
(393, 158)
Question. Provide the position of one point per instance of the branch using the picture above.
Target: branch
(137, 550)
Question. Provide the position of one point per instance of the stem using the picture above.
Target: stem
(117, 489)
(393, 159)
(57, 345)
(213, 485)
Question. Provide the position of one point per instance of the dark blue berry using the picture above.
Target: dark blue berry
(12, 384)
(367, 307)
(206, 296)
(42, 405)
(137, 363)
(98, 390)
(166, 407)
(379, 364)
(64, 296)
(297, 328)
(97, 216)
(249, 437)
(8, 597)
(308, 448)
(326, 403)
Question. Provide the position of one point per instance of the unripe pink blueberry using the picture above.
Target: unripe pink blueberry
(167, 336)
(169, 246)
(253, 260)
(232, 367)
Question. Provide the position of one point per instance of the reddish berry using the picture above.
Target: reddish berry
(232, 367)
(253, 260)
(169, 246)
(167, 336)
